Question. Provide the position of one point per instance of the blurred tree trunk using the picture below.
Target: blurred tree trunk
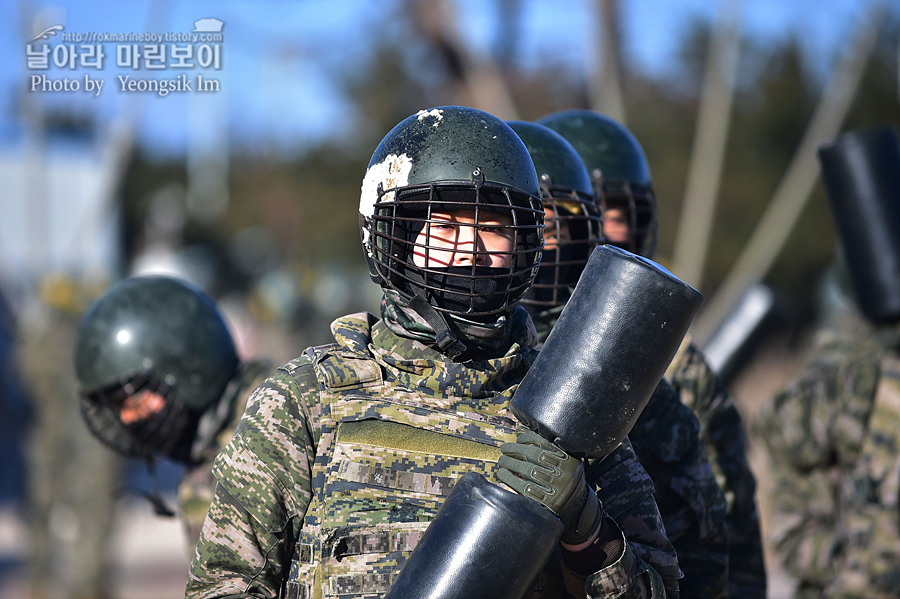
(605, 85)
(509, 15)
(793, 191)
(710, 142)
(479, 80)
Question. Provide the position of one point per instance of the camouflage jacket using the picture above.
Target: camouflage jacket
(835, 448)
(197, 484)
(723, 437)
(666, 439)
(345, 454)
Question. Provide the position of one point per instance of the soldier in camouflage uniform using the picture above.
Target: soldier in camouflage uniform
(345, 454)
(833, 432)
(620, 178)
(666, 437)
(160, 378)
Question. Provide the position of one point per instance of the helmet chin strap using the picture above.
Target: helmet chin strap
(446, 340)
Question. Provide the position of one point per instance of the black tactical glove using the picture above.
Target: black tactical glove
(536, 468)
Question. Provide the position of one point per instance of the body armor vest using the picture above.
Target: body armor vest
(870, 518)
(385, 462)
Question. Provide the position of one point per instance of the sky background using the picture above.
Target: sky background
(280, 58)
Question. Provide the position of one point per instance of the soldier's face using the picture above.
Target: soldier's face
(140, 406)
(555, 231)
(453, 240)
(615, 225)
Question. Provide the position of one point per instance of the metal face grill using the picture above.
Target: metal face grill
(639, 205)
(414, 250)
(573, 228)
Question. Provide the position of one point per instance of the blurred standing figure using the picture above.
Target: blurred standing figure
(71, 479)
(834, 432)
(160, 378)
(620, 176)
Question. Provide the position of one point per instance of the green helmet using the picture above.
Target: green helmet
(619, 172)
(160, 335)
(447, 159)
(573, 229)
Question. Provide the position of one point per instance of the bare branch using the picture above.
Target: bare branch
(605, 85)
(710, 141)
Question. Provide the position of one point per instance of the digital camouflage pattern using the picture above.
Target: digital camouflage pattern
(345, 454)
(666, 439)
(197, 484)
(833, 437)
(723, 437)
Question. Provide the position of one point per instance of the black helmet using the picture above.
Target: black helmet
(574, 229)
(152, 334)
(618, 169)
(448, 159)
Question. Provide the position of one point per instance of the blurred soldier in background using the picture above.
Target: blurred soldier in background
(160, 378)
(834, 432)
(666, 437)
(71, 478)
(620, 176)
(346, 453)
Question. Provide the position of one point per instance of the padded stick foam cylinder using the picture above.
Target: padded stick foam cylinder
(606, 354)
(861, 172)
(485, 542)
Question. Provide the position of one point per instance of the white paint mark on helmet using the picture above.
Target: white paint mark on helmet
(392, 172)
(435, 113)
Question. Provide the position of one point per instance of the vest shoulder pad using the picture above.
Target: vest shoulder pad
(338, 367)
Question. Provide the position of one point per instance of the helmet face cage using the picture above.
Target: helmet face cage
(402, 213)
(639, 204)
(577, 228)
(100, 410)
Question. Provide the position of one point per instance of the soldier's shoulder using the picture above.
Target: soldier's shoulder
(346, 362)
(294, 377)
(354, 331)
(302, 362)
(288, 397)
